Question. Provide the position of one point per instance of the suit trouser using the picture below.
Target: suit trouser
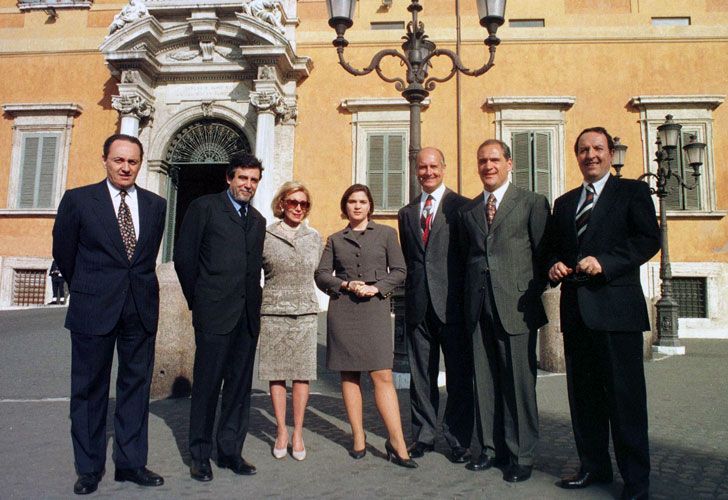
(91, 358)
(606, 385)
(424, 341)
(505, 389)
(227, 361)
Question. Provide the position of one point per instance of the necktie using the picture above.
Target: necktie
(243, 210)
(490, 209)
(426, 219)
(126, 226)
(584, 212)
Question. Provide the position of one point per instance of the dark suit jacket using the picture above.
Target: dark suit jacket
(622, 234)
(434, 275)
(218, 257)
(90, 253)
(511, 252)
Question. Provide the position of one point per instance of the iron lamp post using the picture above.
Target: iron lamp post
(417, 56)
(667, 140)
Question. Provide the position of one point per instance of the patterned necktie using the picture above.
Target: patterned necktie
(584, 212)
(426, 219)
(243, 210)
(126, 226)
(490, 209)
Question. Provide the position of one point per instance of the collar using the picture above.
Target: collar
(437, 194)
(598, 185)
(498, 193)
(114, 191)
(235, 202)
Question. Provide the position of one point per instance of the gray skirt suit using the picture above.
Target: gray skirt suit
(359, 330)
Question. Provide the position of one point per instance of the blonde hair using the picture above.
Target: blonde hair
(287, 188)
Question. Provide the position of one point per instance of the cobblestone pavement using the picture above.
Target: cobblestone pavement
(688, 430)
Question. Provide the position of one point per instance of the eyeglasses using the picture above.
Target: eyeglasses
(291, 204)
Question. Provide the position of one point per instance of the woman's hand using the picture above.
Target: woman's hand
(365, 291)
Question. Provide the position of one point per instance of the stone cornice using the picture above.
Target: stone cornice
(707, 101)
(65, 108)
(559, 102)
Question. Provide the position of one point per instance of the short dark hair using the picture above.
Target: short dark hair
(122, 137)
(598, 130)
(242, 159)
(356, 188)
(504, 147)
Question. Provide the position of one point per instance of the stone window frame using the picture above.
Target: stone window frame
(695, 112)
(376, 115)
(539, 114)
(46, 118)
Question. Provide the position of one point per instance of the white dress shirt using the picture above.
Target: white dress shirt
(598, 188)
(131, 201)
(498, 193)
(437, 195)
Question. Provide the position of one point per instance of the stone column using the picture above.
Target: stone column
(133, 109)
(267, 104)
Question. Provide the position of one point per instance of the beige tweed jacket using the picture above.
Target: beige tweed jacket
(288, 266)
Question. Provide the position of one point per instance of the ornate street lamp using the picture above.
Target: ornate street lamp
(667, 139)
(417, 54)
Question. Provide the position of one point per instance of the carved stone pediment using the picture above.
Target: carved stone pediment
(207, 38)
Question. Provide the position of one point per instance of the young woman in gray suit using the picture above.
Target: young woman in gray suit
(360, 267)
(288, 322)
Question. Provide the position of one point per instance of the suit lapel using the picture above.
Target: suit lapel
(232, 213)
(412, 216)
(477, 214)
(607, 198)
(439, 221)
(105, 212)
(504, 207)
(144, 204)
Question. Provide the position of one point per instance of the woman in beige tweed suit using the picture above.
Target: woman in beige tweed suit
(289, 310)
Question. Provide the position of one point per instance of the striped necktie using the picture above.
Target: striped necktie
(584, 212)
(426, 219)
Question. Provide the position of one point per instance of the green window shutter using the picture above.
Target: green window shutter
(522, 159)
(38, 171)
(28, 166)
(691, 197)
(542, 163)
(386, 169)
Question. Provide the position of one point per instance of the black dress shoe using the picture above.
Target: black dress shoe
(238, 465)
(517, 473)
(459, 455)
(141, 476)
(630, 494)
(584, 479)
(201, 470)
(418, 449)
(393, 457)
(86, 483)
(358, 454)
(482, 462)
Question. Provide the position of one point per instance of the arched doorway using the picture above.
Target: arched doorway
(197, 157)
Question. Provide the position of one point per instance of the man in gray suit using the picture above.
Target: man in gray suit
(433, 311)
(501, 231)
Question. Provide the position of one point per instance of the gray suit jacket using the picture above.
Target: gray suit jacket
(511, 253)
(434, 273)
(377, 260)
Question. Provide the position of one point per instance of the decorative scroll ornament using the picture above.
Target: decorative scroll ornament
(132, 105)
(133, 11)
(268, 11)
(271, 101)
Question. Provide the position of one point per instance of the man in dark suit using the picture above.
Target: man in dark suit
(433, 311)
(501, 230)
(599, 236)
(105, 241)
(218, 258)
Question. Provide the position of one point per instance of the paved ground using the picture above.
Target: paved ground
(688, 414)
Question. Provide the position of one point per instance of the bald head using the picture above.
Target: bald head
(430, 168)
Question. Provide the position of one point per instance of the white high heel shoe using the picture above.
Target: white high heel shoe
(299, 455)
(279, 453)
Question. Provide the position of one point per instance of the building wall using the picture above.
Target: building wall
(600, 53)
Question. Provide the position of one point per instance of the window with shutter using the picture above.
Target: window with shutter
(38, 170)
(680, 198)
(386, 169)
(532, 162)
